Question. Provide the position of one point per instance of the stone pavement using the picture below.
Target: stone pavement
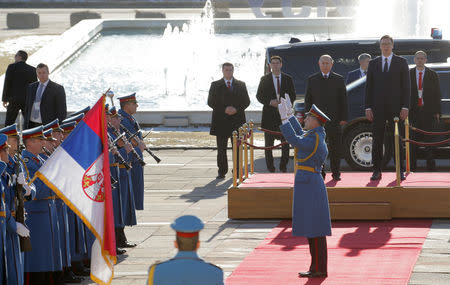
(184, 183)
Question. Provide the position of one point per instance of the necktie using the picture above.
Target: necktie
(325, 76)
(229, 84)
(420, 102)
(278, 85)
(386, 67)
(37, 101)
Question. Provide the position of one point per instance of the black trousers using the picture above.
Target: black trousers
(33, 125)
(222, 160)
(268, 141)
(334, 143)
(12, 111)
(427, 122)
(319, 254)
(379, 128)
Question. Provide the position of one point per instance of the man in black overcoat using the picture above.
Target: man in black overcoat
(17, 78)
(46, 100)
(388, 92)
(425, 106)
(228, 97)
(326, 89)
(272, 87)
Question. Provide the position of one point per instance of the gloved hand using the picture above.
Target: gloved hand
(289, 105)
(27, 189)
(283, 109)
(21, 179)
(22, 230)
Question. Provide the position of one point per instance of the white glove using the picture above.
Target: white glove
(21, 179)
(289, 105)
(282, 109)
(27, 189)
(22, 230)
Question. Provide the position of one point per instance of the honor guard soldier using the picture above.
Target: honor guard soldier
(125, 183)
(11, 178)
(42, 218)
(186, 267)
(57, 132)
(128, 107)
(77, 118)
(310, 210)
(67, 128)
(3, 266)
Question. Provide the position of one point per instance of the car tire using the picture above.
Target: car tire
(358, 148)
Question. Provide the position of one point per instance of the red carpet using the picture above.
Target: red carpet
(352, 179)
(358, 253)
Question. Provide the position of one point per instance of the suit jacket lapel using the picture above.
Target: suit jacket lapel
(414, 80)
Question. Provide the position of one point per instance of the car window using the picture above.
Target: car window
(444, 81)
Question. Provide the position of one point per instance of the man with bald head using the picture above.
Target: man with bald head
(326, 89)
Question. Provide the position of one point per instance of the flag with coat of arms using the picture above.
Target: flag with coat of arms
(78, 172)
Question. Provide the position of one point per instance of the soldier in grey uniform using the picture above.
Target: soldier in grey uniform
(186, 267)
(310, 210)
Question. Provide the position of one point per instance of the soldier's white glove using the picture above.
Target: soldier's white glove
(283, 109)
(21, 179)
(289, 105)
(27, 189)
(22, 230)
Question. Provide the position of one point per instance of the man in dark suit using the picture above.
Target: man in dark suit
(17, 78)
(388, 92)
(228, 97)
(46, 100)
(326, 90)
(425, 105)
(272, 87)
(356, 74)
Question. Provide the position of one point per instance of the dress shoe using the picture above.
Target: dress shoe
(126, 244)
(220, 176)
(336, 177)
(120, 251)
(310, 274)
(376, 175)
(402, 176)
(271, 169)
(70, 277)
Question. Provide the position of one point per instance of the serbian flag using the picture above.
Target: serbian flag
(78, 172)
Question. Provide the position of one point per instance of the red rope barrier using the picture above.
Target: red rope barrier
(271, 132)
(266, 147)
(427, 144)
(430, 133)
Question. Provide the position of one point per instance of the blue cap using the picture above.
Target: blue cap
(53, 125)
(315, 112)
(113, 112)
(83, 111)
(75, 119)
(128, 98)
(187, 224)
(68, 126)
(48, 135)
(37, 132)
(10, 130)
(3, 141)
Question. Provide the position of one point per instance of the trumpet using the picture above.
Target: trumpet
(131, 136)
(133, 151)
(119, 157)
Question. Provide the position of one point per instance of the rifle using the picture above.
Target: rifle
(133, 151)
(25, 242)
(118, 156)
(47, 152)
(131, 136)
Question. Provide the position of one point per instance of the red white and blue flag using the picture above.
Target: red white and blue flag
(78, 172)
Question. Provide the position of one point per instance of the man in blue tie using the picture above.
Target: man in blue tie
(45, 101)
(356, 74)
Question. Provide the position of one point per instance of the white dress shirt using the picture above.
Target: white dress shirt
(383, 60)
(226, 82)
(37, 104)
(274, 77)
(362, 72)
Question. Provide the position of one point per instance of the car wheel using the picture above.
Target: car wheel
(358, 148)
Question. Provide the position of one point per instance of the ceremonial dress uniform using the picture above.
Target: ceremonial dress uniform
(137, 171)
(310, 209)
(186, 267)
(42, 218)
(3, 261)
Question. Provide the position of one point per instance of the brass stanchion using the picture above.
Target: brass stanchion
(235, 159)
(408, 154)
(252, 157)
(241, 153)
(397, 151)
(246, 132)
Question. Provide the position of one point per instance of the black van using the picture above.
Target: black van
(300, 60)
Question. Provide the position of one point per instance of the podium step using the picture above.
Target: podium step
(360, 211)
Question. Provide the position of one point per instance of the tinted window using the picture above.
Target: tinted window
(444, 81)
